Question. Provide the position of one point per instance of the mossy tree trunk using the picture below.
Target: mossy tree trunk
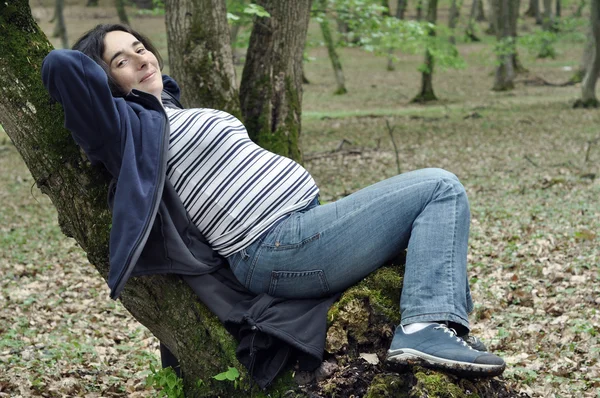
(503, 12)
(271, 89)
(60, 27)
(200, 56)
(333, 55)
(121, 12)
(588, 87)
(426, 94)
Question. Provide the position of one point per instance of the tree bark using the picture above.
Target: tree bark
(470, 33)
(548, 19)
(588, 87)
(534, 11)
(427, 93)
(121, 12)
(60, 28)
(480, 16)
(200, 56)
(333, 55)
(419, 10)
(558, 8)
(453, 18)
(504, 77)
(401, 8)
(271, 89)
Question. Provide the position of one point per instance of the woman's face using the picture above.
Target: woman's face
(130, 64)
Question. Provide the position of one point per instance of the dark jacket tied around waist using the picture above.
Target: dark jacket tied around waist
(151, 231)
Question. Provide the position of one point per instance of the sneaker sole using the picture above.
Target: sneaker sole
(407, 356)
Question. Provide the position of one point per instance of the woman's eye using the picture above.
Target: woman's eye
(120, 63)
(141, 50)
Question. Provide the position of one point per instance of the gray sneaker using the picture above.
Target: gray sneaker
(474, 342)
(438, 346)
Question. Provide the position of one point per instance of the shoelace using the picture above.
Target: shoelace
(453, 333)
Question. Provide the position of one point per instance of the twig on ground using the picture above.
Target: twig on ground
(531, 161)
(391, 132)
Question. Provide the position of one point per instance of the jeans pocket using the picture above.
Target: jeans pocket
(298, 284)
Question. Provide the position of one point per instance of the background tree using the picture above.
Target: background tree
(426, 94)
(271, 88)
(60, 27)
(455, 6)
(121, 12)
(330, 44)
(91, 3)
(504, 13)
(588, 87)
(200, 55)
(474, 14)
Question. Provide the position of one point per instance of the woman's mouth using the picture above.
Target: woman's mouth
(147, 76)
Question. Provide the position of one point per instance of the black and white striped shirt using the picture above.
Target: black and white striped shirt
(233, 189)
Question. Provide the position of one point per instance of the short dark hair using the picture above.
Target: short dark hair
(92, 45)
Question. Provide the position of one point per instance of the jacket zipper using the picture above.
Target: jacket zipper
(138, 247)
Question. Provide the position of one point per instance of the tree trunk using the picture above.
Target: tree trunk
(419, 10)
(548, 19)
(401, 8)
(333, 55)
(480, 16)
(504, 11)
(588, 87)
(271, 89)
(60, 28)
(453, 18)
(491, 30)
(91, 3)
(400, 11)
(121, 12)
(427, 93)
(579, 9)
(470, 33)
(200, 57)
(165, 304)
(558, 8)
(534, 11)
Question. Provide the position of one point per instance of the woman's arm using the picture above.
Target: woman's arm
(81, 86)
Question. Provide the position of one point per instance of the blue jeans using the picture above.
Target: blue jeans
(325, 249)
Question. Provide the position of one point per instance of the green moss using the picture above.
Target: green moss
(437, 385)
(387, 386)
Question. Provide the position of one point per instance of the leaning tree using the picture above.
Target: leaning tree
(360, 322)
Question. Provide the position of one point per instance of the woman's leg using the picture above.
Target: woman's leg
(331, 247)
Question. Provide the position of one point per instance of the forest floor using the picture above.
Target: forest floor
(529, 162)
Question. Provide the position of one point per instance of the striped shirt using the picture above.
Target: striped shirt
(233, 189)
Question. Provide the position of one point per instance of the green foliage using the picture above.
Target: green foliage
(166, 381)
(231, 374)
(158, 8)
(241, 14)
(372, 29)
(542, 43)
